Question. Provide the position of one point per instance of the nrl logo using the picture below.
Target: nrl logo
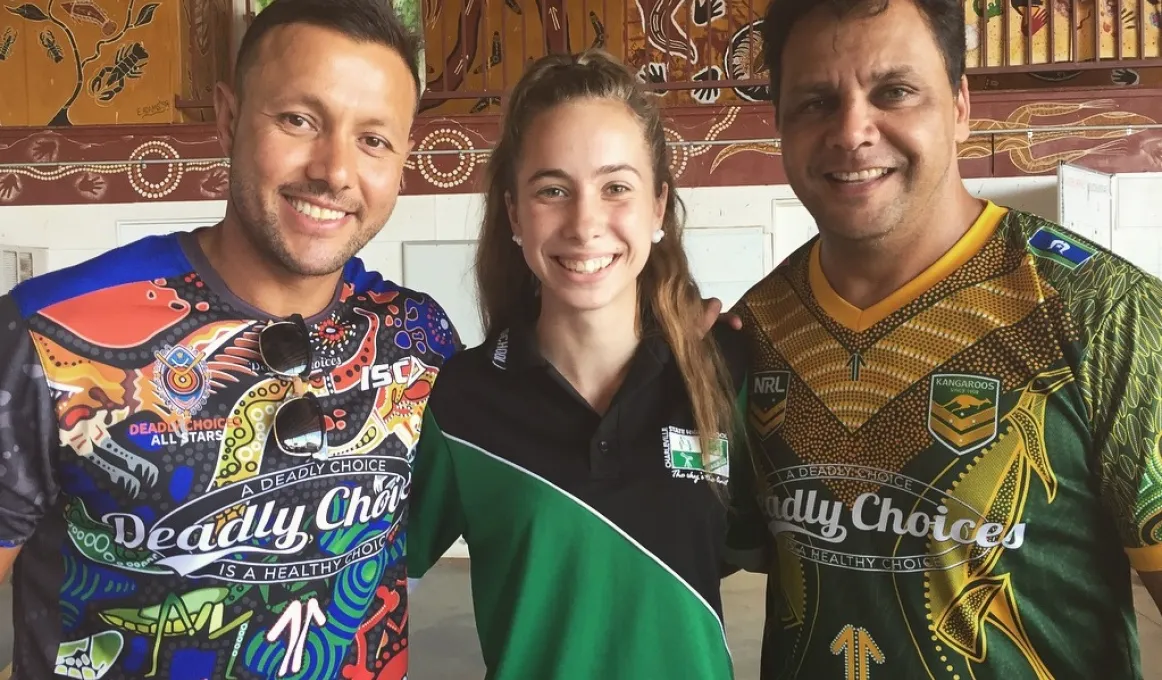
(962, 411)
(768, 401)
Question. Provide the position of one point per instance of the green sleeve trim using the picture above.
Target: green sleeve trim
(436, 513)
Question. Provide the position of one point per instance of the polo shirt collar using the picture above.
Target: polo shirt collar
(515, 349)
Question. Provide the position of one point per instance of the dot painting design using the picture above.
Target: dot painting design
(129, 453)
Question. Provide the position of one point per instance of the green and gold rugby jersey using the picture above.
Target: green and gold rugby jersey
(957, 480)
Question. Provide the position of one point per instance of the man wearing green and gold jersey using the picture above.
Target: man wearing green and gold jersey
(956, 406)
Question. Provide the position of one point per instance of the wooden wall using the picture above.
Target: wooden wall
(101, 62)
(1149, 77)
(1046, 31)
(482, 47)
(713, 146)
(478, 48)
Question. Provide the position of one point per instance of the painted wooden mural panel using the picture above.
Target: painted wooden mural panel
(483, 47)
(14, 44)
(475, 46)
(90, 162)
(101, 62)
(1147, 77)
(1082, 30)
(479, 47)
(205, 50)
(698, 40)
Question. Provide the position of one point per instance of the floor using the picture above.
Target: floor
(443, 645)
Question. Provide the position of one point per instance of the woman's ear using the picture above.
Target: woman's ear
(660, 204)
(510, 207)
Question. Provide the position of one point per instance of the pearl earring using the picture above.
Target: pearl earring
(657, 237)
(517, 240)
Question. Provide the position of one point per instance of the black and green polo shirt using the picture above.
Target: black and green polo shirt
(597, 540)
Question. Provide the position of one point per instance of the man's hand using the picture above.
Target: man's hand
(713, 312)
(712, 308)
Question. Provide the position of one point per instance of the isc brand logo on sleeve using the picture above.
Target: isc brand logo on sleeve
(768, 401)
(683, 450)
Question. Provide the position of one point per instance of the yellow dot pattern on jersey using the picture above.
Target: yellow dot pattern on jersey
(975, 322)
(905, 355)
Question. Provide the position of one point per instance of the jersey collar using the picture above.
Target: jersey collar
(515, 348)
(859, 320)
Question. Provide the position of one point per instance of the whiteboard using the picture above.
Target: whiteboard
(1138, 225)
(791, 225)
(726, 262)
(1086, 202)
(444, 271)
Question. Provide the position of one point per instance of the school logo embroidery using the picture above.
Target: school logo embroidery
(962, 411)
(180, 379)
(683, 451)
(1056, 246)
(768, 401)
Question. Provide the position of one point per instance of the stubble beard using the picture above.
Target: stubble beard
(260, 227)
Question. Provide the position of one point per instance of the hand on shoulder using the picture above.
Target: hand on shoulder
(713, 314)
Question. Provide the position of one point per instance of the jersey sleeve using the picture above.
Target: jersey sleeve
(746, 533)
(442, 333)
(28, 432)
(437, 517)
(1123, 369)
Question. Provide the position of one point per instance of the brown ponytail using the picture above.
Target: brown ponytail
(666, 290)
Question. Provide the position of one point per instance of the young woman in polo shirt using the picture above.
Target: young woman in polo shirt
(584, 450)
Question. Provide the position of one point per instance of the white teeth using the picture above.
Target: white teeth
(586, 266)
(312, 210)
(861, 176)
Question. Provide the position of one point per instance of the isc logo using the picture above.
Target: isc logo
(772, 382)
(403, 372)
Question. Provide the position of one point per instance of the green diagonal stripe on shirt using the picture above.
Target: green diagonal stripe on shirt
(571, 596)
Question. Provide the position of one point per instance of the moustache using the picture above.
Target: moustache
(322, 192)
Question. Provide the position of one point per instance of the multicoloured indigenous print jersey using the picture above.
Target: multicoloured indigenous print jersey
(163, 533)
(958, 479)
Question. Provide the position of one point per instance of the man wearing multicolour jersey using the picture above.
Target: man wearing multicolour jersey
(206, 438)
(956, 407)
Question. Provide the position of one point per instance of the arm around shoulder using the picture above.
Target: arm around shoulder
(732, 345)
(746, 539)
(28, 436)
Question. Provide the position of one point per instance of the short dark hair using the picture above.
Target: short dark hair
(945, 19)
(372, 21)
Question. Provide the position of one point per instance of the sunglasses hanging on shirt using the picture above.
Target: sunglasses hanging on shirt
(299, 425)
